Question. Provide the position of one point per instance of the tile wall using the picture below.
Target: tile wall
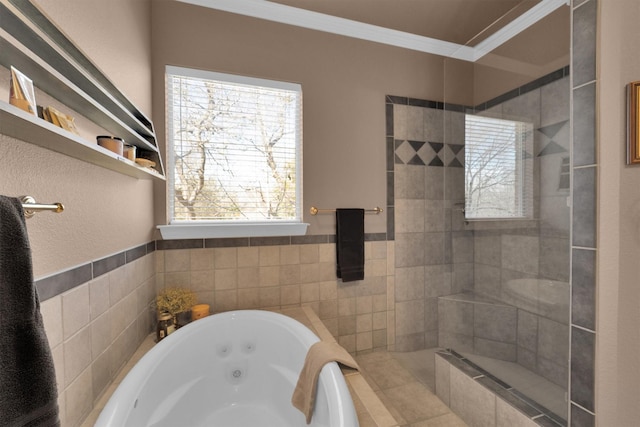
(480, 399)
(438, 254)
(584, 216)
(277, 273)
(96, 315)
(430, 236)
(95, 327)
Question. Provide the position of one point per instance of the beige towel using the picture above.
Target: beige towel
(320, 353)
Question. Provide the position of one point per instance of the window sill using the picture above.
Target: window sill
(212, 231)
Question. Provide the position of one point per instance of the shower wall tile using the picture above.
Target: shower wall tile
(409, 318)
(554, 102)
(411, 342)
(434, 215)
(437, 248)
(552, 371)
(495, 322)
(459, 342)
(554, 258)
(583, 66)
(487, 280)
(431, 315)
(442, 379)
(583, 288)
(462, 278)
(454, 184)
(475, 404)
(495, 349)
(455, 317)
(526, 107)
(582, 368)
(409, 283)
(410, 182)
(584, 207)
(433, 120)
(415, 127)
(508, 416)
(528, 330)
(399, 126)
(410, 249)
(388, 115)
(437, 280)
(520, 253)
(527, 358)
(584, 125)
(487, 249)
(433, 184)
(454, 130)
(553, 340)
(410, 215)
(581, 418)
(462, 247)
(390, 189)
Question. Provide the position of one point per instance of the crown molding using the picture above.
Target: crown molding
(289, 15)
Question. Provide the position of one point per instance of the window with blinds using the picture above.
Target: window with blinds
(498, 168)
(234, 148)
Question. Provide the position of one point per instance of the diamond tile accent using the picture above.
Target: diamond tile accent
(427, 153)
(550, 132)
(454, 155)
(430, 153)
(404, 152)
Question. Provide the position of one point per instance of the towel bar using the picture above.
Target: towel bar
(31, 207)
(316, 211)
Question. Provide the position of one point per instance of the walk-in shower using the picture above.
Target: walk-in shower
(511, 212)
(482, 219)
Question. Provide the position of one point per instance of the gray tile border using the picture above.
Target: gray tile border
(107, 264)
(582, 368)
(584, 125)
(584, 43)
(584, 207)
(59, 283)
(583, 289)
(581, 418)
(56, 284)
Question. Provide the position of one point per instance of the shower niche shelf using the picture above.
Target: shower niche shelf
(35, 46)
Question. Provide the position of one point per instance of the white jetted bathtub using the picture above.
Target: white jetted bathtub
(234, 369)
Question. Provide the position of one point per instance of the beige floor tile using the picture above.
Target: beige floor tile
(395, 413)
(447, 420)
(415, 402)
(384, 370)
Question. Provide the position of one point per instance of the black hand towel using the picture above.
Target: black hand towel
(350, 244)
(28, 393)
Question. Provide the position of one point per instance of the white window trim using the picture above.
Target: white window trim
(213, 231)
(206, 230)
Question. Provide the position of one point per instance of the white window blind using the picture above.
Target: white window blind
(498, 168)
(234, 148)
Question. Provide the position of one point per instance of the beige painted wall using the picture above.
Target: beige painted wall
(106, 212)
(618, 289)
(344, 83)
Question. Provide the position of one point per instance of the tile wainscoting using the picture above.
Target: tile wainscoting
(96, 315)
